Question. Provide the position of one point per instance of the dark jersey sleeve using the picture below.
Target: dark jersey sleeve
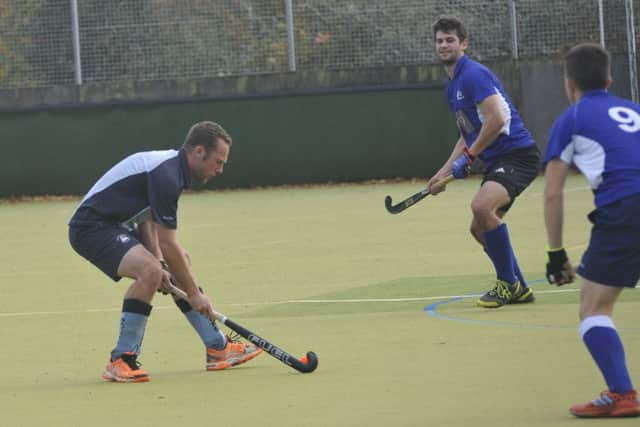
(164, 189)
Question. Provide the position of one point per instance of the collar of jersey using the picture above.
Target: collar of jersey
(184, 168)
(595, 92)
(461, 62)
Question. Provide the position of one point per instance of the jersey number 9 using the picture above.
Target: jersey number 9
(629, 120)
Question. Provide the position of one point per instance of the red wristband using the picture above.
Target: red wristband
(469, 153)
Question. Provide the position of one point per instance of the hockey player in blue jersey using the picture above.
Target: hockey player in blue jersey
(600, 135)
(491, 129)
(126, 226)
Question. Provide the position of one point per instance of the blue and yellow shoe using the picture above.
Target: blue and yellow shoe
(496, 297)
(503, 293)
(522, 295)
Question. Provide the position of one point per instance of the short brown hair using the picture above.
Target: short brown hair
(206, 134)
(588, 65)
(450, 25)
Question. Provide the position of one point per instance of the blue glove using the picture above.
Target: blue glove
(462, 165)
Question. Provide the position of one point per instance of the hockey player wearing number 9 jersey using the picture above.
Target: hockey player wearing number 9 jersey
(599, 134)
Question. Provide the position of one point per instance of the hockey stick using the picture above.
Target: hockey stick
(410, 201)
(305, 364)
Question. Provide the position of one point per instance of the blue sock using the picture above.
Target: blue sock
(499, 249)
(516, 270)
(601, 338)
(209, 333)
(133, 323)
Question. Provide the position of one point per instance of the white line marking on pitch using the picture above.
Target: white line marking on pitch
(293, 301)
(566, 190)
(363, 300)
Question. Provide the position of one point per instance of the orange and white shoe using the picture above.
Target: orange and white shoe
(125, 369)
(234, 353)
(609, 404)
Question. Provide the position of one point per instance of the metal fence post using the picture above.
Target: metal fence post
(75, 28)
(631, 45)
(514, 28)
(290, 35)
(601, 22)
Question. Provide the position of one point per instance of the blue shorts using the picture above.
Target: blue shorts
(613, 255)
(103, 245)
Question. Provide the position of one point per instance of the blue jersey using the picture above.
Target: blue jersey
(471, 84)
(600, 134)
(151, 180)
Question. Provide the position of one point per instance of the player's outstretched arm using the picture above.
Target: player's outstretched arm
(446, 169)
(559, 269)
(179, 266)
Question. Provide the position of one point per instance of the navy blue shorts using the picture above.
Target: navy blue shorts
(613, 255)
(103, 245)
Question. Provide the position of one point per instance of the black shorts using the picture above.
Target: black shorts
(514, 171)
(103, 245)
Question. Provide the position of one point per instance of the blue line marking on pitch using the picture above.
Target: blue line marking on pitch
(432, 310)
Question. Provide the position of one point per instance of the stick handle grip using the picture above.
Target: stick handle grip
(179, 292)
(182, 294)
(447, 179)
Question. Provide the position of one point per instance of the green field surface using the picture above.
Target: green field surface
(322, 268)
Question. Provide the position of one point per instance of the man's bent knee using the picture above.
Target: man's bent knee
(484, 217)
(151, 276)
(142, 266)
(146, 283)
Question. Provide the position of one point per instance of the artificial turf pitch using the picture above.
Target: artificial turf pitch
(322, 268)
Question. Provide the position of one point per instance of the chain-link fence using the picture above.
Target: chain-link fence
(35, 43)
(123, 40)
(177, 39)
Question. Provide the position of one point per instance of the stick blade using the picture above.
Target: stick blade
(309, 362)
(388, 204)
